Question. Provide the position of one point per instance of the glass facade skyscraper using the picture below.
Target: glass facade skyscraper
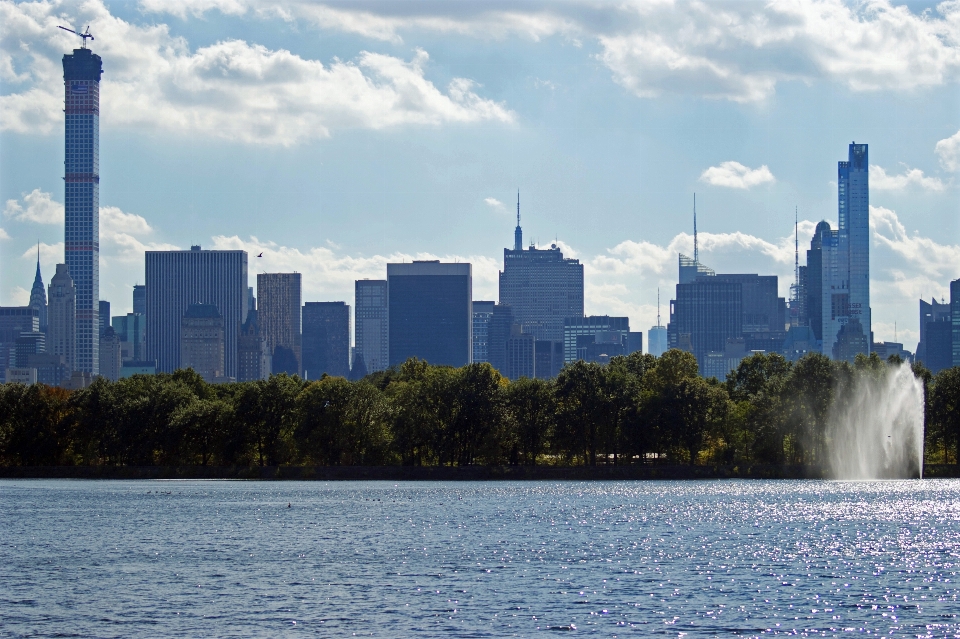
(846, 262)
(371, 325)
(81, 77)
(430, 312)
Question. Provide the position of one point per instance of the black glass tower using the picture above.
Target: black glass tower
(81, 77)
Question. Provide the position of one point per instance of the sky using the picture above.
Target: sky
(337, 137)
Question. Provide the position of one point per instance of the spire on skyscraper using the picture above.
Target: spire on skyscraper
(696, 248)
(38, 295)
(517, 233)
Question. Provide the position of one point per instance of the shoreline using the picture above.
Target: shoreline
(437, 473)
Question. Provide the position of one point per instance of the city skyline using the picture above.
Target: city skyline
(626, 232)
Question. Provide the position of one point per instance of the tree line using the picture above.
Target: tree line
(637, 409)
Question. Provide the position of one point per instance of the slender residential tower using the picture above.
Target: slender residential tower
(81, 76)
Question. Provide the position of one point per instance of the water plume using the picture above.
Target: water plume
(876, 432)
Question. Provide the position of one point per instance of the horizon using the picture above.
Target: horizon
(219, 117)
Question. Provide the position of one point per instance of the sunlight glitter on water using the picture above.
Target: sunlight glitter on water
(710, 558)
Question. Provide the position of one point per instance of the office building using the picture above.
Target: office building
(25, 376)
(38, 297)
(278, 312)
(932, 312)
(202, 341)
(814, 278)
(851, 341)
(430, 312)
(705, 314)
(103, 315)
(131, 329)
(371, 324)
(520, 354)
(595, 338)
(253, 358)
(691, 268)
(955, 320)
(62, 318)
(482, 314)
(140, 299)
(177, 279)
(81, 78)
(134, 367)
(500, 327)
(886, 350)
(51, 369)
(326, 339)
(541, 286)
(800, 341)
(110, 356)
(14, 321)
(29, 343)
(765, 317)
(657, 340)
(549, 358)
(719, 363)
(845, 267)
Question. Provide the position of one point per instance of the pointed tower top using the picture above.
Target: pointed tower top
(696, 248)
(517, 233)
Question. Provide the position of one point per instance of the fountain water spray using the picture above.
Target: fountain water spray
(877, 432)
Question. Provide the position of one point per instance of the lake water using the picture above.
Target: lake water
(690, 558)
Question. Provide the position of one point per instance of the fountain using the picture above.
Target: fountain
(877, 433)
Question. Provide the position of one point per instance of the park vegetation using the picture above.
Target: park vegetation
(635, 410)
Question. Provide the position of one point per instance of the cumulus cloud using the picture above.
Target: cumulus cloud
(332, 273)
(231, 89)
(3, 234)
(19, 296)
(880, 181)
(937, 261)
(494, 204)
(949, 151)
(36, 206)
(736, 176)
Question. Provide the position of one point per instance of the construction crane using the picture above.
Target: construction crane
(84, 35)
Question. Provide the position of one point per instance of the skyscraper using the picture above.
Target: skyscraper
(278, 296)
(430, 312)
(253, 360)
(38, 297)
(931, 313)
(371, 324)
(81, 76)
(15, 320)
(587, 337)
(846, 258)
(708, 311)
(140, 299)
(814, 284)
(176, 279)
(541, 286)
(326, 339)
(955, 320)
(62, 318)
(103, 311)
(657, 335)
(202, 341)
(482, 313)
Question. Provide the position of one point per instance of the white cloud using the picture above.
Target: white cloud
(494, 204)
(938, 262)
(37, 206)
(19, 296)
(4, 235)
(880, 181)
(231, 89)
(740, 51)
(949, 151)
(736, 176)
(332, 274)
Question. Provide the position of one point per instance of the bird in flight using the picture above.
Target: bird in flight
(261, 255)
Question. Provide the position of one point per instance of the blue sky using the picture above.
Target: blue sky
(337, 137)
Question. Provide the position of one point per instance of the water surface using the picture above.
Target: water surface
(483, 559)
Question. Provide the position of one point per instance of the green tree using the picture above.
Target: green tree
(532, 411)
(945, 410)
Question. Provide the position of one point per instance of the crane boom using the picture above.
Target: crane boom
(83, 36)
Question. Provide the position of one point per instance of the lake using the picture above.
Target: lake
(479, 559)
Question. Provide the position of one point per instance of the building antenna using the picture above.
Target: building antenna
(658, 307)
(696, 249)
